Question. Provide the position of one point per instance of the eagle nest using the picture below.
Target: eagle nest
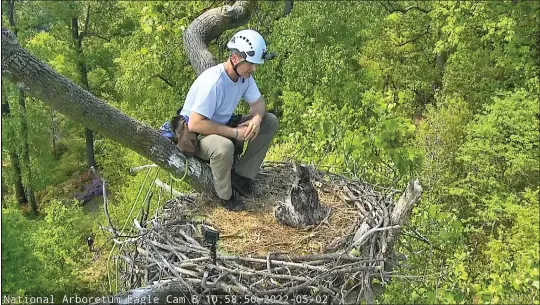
(341, 241)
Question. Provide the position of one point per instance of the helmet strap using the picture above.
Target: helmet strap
(235, 67)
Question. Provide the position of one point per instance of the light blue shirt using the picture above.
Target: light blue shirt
(215, 96)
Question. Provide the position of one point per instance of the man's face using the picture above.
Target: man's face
(245, 69)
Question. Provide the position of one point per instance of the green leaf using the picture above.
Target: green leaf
(431, 297)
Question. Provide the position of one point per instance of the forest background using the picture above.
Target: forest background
(446, 92)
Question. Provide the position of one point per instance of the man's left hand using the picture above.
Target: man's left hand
(253, 128)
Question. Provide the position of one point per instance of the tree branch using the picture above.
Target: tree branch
(12, 15)
(165, 80)
(210, 25)
(414, 39)
(89, 34)
(392, 9)
(42, 82)
(86, 22)
(405, 10)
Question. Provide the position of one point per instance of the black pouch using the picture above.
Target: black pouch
(233, 122)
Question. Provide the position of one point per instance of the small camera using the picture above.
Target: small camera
(269, 55)
(210, 234)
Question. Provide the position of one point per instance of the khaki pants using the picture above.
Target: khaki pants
(220, 151)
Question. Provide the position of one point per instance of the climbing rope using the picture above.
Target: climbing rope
(143, 209)
(121, 233)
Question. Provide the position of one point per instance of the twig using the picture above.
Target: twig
(368, 233)
(105, 204)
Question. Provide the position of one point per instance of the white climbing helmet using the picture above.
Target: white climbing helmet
(251, 45)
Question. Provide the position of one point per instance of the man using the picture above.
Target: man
(209, 106)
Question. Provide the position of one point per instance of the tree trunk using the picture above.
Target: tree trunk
(210, 25)
(83, 73)
(440, 63)
(54, 130)
(20, 195)
(288, 7)
(30, 198)
(42, 82)
(26, 154)
(90, 157)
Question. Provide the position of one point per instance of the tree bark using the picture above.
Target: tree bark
(288, 7)
(440, 63)
(210, 25)
(83, 72)
(42, 82)
(26, 154)
(54, 132)
(20, 195)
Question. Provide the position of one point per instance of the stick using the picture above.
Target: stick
(168, 188)
(136, 169)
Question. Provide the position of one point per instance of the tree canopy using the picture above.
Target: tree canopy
(446, 92)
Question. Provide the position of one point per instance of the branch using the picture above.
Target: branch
(165, 80)
(86, 22)
(105, 204)
(11, 15)
(168, 188)
(405, 203)
(392, 9)
(98, 36)
(42, 82)
(210, 25)
(404, 11)
(415, 38)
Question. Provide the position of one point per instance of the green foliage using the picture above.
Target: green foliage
(500, 151)
(369, 137)
(384, 91)
(44, 257)
(352, 128)
(440, 134)
(485, 176)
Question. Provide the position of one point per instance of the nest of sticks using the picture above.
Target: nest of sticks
(261, 260)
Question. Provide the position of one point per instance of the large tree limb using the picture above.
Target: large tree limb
(210, 25)
(42, 82)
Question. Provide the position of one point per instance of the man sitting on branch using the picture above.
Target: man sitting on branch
(208, 111)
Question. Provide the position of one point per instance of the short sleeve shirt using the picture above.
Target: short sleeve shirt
(215, 96)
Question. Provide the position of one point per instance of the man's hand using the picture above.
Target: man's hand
(252, 128)
(241, 131)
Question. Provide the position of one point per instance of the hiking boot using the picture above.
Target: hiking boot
(243, 185)
(233, 204)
